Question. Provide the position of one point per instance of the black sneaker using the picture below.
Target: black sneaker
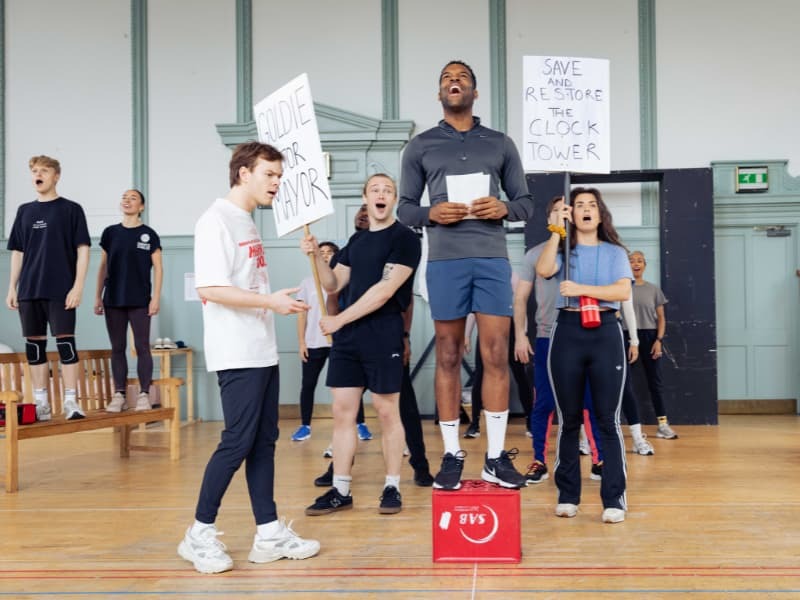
(597, 471)
(502, 472)
(391, 501)
(423, 477)
(326, 479)
(449, 476)
(537, 472)
(329, 502)
(473, 431)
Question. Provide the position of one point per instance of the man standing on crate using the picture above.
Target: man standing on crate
(49, 246)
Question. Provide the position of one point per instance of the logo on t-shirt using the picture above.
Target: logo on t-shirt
(143, 243)
(40, 224)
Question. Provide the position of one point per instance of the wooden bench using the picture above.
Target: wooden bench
(95, 389)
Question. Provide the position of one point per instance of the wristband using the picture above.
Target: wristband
(634, 343)
(659, 339)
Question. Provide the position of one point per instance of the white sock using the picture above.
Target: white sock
(496, 423)
(70, 395)
(342, 484)
(269, 530)
(40, 396)
(393, 480)
(198, 526)
(636, 431)
(450, 436)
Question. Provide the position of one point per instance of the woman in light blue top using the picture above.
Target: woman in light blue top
(593, 352)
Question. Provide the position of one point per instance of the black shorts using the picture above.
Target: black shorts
(368, 354)
(36, 314)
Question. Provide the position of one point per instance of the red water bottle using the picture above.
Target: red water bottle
(590, 312)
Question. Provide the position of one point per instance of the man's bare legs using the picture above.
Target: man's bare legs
(345, 409)
(493, 336)
(449, 350)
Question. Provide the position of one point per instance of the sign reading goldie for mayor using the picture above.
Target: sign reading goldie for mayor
(566, 114)
(285, 119)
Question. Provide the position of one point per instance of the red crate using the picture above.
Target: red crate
(480, 522)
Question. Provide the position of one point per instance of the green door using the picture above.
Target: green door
(757, 306)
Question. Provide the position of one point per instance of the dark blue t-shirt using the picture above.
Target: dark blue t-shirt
(48, 234)
(367, 252)
(129, 261)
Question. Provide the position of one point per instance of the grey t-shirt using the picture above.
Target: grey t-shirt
(546, 291)
(646, 299)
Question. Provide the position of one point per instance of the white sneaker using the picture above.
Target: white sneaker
(584, 448)
(666, 432)
(285, 544)
(117, 403)
(613, 515)
(205, 551)
(43, 412)
(642, 446)
(566, 510)
(142, 401)
(72, 411)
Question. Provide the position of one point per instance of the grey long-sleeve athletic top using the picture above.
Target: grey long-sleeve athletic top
(442, 151)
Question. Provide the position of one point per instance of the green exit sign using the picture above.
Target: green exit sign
(752, 179)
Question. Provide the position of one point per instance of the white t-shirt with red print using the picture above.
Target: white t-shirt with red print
(228, 252)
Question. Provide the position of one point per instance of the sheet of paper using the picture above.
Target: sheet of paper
(466, 188)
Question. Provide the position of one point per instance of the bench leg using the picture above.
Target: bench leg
(12, 450)
(124, 441)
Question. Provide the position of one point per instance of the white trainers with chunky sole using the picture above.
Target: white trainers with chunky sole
(613, 515)
(284, 544)
(117, 403)
(205, 551)
(566, 510)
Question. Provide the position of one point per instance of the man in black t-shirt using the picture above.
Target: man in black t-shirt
(375, 274)
(49, 246)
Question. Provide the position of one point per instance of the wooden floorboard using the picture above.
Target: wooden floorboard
(714, 514)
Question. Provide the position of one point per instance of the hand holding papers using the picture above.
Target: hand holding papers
(464, 189)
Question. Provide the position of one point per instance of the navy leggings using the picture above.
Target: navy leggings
(117, 319)
(576, 355)
(250, 412)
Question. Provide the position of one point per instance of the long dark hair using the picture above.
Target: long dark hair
(605, 231)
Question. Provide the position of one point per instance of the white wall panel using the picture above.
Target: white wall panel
(68, 95)
(581, 28)
(432, 33)
(337, 43)
(728, 87)
(192, 68)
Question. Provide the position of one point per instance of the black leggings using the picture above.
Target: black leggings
(578, 354)
(117, 319)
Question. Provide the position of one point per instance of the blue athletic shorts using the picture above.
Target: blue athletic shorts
(368, 353)
(460, 286)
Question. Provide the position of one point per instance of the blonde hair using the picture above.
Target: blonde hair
(45, 161)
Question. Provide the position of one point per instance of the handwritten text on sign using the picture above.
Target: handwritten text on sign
(565, 114)
(286, 120)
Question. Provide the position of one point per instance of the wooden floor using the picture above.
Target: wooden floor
(715, 514)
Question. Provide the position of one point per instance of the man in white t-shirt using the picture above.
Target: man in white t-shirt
(239, 341)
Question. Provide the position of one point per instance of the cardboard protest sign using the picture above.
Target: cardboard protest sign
(566, 114)
(285, 119)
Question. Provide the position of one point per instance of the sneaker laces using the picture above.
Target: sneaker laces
(212, 546)
(535, 467)
(509, 455)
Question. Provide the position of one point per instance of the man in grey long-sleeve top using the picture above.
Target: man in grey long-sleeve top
(468, 269)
